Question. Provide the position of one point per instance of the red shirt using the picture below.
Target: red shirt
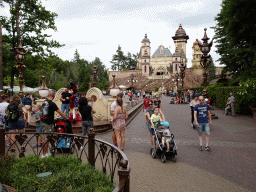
(145, 102)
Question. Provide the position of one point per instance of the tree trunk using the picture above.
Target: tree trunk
(17, 20)
(1, 65)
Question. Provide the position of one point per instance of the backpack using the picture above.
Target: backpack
(13, 113)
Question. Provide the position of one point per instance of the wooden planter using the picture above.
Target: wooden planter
(254, 112)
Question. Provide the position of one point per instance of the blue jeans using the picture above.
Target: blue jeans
(85, 126)
(65, 107)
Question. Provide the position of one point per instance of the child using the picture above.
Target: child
(167, 135)
(38, 125)
(155, 118)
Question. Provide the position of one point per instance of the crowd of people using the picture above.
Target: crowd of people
(14, 115)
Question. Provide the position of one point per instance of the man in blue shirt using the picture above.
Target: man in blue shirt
(201, 115)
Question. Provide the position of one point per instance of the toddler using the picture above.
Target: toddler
(167, 135)
(155, 118)
(38, 125)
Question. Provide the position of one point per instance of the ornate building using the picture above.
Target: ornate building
(163, 63)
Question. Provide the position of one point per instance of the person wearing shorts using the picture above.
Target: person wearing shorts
(201, 115)
(18, 124)
(47, 120)
(38, 124)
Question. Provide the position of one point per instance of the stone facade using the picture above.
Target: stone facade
(163, 63)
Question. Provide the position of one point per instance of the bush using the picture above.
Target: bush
(6, 162)
(68, 174)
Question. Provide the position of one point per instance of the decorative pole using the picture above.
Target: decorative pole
(205, 61)
(20, 56)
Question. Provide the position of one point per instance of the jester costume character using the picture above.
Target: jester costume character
(73, 102)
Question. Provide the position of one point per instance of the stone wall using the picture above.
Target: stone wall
(122, 74)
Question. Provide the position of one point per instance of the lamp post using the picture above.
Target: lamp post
(20, 56)
(182, 74)
(177, 81)
(94, 76)
(205, 61)
(12, 70)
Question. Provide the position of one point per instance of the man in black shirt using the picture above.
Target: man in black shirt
(47, 119)
(65, 101)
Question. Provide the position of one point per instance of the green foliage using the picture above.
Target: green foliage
(246, 94)
(211, 70)
(68, 173)
(212, 90)
(120, 61)
(235, 34)
(6, 162)
(34, 20)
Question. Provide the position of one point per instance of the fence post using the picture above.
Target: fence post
(91, 147)
(2, 142)
(124, 174)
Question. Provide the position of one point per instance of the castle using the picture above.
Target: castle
(162, 65)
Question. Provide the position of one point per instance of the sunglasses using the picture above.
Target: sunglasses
(201, 100)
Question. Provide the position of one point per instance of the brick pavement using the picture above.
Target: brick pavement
(229, 167)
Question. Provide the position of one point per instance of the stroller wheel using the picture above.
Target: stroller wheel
(153, 152)
(163, 158)
(174, 159)
(71, 150)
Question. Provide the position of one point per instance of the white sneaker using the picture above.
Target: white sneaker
(48, 154)
(42, 156)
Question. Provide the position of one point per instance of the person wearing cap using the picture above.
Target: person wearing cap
(112, 109)
(157, 102)
(167, 135)
(201, 115)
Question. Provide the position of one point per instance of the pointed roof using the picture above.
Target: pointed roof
(180, 33)
(145, 39)
(166, 52)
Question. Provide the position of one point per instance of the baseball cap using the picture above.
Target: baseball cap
(165, 123)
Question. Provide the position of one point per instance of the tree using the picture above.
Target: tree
(235, 34)
(211, 70)
(29, 19)
(118, 60)
(1, 61)
(103, 81)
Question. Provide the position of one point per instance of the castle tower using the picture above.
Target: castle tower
(144, 56)
(180, 39)
(176, 61)
(196, 53)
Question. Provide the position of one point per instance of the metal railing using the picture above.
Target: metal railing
(102, 155)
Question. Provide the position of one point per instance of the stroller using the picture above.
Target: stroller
(161, 150)
(63, 144)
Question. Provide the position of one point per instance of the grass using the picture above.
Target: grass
(68, 174)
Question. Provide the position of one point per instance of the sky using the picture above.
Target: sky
(96, 27)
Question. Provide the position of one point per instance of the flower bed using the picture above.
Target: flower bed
(68, 174)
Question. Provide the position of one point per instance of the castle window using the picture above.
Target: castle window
(175, 59)
(176, 66)
(145, 61)
(145, 68)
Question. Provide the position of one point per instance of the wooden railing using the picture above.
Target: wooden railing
(101, 154)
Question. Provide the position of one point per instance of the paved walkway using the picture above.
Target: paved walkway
(229, 167)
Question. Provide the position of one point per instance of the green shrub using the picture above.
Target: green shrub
(68, 174)
(6, 162)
